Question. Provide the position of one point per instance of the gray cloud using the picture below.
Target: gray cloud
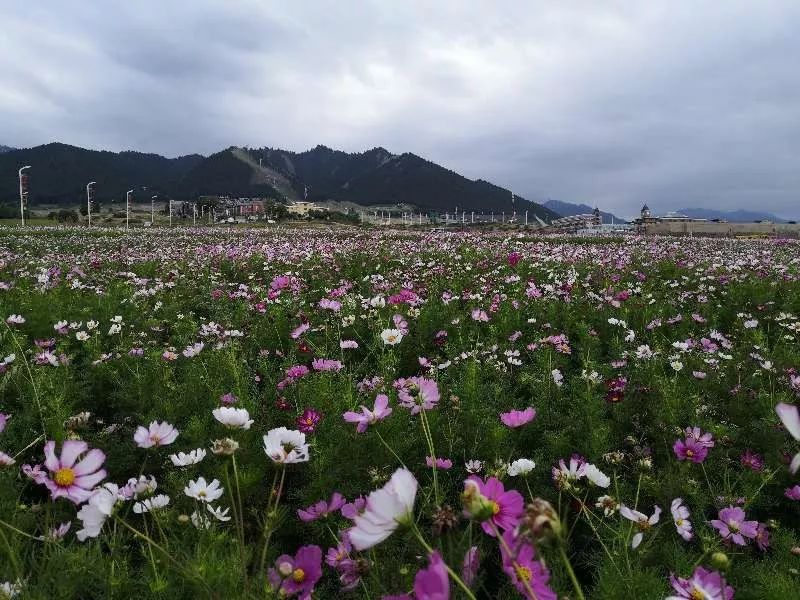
(688, 103)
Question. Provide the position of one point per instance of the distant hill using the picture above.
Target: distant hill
(733, 216)
(568, 209)
(5, 148)
(60, 173)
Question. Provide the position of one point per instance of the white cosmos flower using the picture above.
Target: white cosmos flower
(641, 521)
(521, 466)
(235, 418)
(94, 513)
(219, 514)
(200, 520)
(151, 504)
(596, 476)
(790, 417)
(385, 509)
(286, 445)
(391, 337)
(81, 336)
(202, 491)
(182, 459)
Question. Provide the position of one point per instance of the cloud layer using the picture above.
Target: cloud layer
(673, 103)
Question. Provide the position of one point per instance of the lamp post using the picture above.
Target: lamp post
(153, 210)
(23, 192)
(170, 212)
(89, 198)
(128, 195)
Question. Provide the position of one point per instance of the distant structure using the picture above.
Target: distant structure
(673, 223)
(302, 209)
(575, 222)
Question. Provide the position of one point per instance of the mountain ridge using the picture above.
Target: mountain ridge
(568, 209)
(376, 176)
(732, 216)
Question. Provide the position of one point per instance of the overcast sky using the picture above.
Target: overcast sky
(674, 103)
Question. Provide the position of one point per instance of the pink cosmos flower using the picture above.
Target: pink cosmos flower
(680, 515)
(704, 439)
(3, 420)
(793, 493)
(507, 506)
(441, 463)
(348, 344)
(518, 418)
(432, 583)
(470, 566)
(762, 537)
(299, 330)
(69, 477)
(479, 315)
(327, 364)
(417, 393)
(703, 584)
(528, 575)
(369, 417)
(298, 574)
(321, 509)
(690, 449)
(352, 509)
(732, 526)
(513, 258)
(157, 434)
(642, 521)
(751, 460)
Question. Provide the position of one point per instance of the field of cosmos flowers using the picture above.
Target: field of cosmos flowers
(348, 413)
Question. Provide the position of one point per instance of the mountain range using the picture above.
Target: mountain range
(732, 216)
(60, 172)
(6, 148)
(568, 209)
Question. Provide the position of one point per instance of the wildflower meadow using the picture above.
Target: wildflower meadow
(351, 413)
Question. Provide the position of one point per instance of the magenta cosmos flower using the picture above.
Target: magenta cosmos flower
(69, 477)
(155, 435)
(432, 583)
(518, 418)
(369, 417)
(507, 506)
(690, 449)
(528, 575)
(441, 463)
(703, 585)
(308, 421)
(322, 509)
(793, 493)
(732, 526)
(297, 575)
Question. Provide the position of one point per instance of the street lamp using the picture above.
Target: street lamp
(153, 210)
(128, 207)
(89, 198)
(170, 212)
(23, 192)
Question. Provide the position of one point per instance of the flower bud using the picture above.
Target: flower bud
(183, 519)
(720, 561)
(795, 550)
(476, 505)
(541, 521)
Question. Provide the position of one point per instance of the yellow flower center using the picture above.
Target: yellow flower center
(155, 439)
(678, 522)
(298, 575)
(643, 524)
(495, 507)
(523, 573)
(696, 594)
(689, 453)
(64, 477)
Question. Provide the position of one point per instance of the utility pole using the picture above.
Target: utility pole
(194, 214)
(170, 212)
(24, 190)
(526, 218)
(128, 196)
(89, 200)
(153, 210)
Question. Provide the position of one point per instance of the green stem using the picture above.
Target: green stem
(570, 572)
